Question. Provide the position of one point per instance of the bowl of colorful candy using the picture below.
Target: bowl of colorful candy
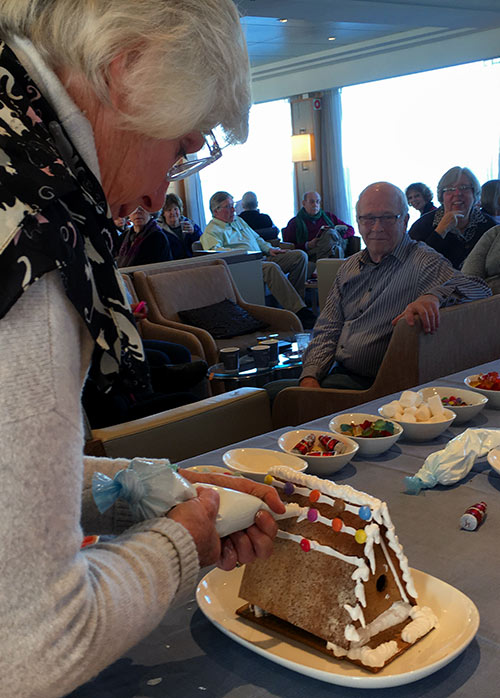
(488, 384)
(466, 404)
(374, 435)
(324, 452)
(422, 420)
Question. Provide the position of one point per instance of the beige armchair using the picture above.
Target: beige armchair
(180, 287)
(189, 430)
(468, 335)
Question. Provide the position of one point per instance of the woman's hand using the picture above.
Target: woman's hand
(198, 516)
(187, 227)
(257, 540)
(451, 219)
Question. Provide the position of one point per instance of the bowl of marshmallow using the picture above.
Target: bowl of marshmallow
(422, 419)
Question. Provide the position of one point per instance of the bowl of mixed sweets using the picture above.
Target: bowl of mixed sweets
(422, 420)
(324, 452)
(466, 404)
(373, 434)
(488, 384)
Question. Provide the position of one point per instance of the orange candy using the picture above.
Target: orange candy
(314, 496)
(337, 525)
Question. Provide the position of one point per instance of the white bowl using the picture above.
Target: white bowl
(211, 469)
(475, 401)
(367, 446)
(492, 395)
(255, 462)
(424, 431)
(319, 465)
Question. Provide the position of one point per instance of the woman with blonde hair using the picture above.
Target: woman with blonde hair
(87, 134)
(180, 230)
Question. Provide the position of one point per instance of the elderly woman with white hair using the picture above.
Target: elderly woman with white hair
(87, 134)
(456, 226)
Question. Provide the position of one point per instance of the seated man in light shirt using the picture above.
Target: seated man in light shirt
(226, 231)
(394, 277)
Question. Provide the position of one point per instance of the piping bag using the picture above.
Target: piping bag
(455, 461)
(151, 489)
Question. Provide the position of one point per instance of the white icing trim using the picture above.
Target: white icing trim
(375, 657)
(397, 613)
(423, 620)
(356, 613)
(394, 574)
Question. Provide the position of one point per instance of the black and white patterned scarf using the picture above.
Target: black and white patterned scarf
(54, 215)
(476, 218)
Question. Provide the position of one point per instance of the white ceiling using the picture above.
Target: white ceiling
(311, 23)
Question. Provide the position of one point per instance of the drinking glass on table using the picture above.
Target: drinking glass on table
(302, 339)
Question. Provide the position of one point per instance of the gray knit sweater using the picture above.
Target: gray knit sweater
(66, 613)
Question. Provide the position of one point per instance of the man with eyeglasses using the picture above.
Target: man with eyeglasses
(395, 277)
(226, 231)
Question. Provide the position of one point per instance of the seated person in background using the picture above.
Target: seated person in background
(457, 224)
(484, 259)
(229, 232)
(144, 242)
(260, 222)
(180, 231)
(173, 376)
(419, 196)
(490, 199)
(393, 278)
(319, 233)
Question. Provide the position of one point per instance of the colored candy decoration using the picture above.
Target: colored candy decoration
(304, 445)
(288, 488)
(305, 545)
(328, 442)
(453, 401)
(368, 429)
(337, 525)
(312, 515)
(268, 479)
(314, 495)
(360, 536)
(365, 513)
(473, 516)
(89, 540)
(486, 381)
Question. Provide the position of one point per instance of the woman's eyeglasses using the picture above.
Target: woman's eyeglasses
(187, 168)
(452, 190)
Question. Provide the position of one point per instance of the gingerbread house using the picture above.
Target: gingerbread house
(338, 575)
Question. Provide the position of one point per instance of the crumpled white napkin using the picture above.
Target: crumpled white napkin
(455, 461)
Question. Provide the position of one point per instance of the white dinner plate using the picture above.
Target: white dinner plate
(217, 597)
(494, 459)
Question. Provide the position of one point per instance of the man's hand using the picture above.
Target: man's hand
(312, 243)
(309, 382)
(257, 540)
(426, 307)
(273, 251)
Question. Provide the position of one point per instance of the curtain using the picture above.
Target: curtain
(332, 168)
(194, 197)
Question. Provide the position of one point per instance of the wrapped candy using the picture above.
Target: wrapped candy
(448, 466)
(304, 445)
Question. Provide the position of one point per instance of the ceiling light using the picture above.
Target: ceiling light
(283, 20)
(332, 38)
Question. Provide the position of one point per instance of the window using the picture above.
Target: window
(263, 164)
(414, 128)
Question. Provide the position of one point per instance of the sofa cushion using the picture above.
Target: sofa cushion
(223, 320)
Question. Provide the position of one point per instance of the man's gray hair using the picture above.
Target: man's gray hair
(451, 177)
(402, 202)
(249, 201)
(217, 199)
(187, 65)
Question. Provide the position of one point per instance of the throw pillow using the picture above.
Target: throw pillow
(223, 320)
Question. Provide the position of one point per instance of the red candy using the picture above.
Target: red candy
(305, 545)
(314, 495)
(473, 516)
(328, 442)
(305, 444)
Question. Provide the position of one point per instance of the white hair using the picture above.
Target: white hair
(187, 64)
(249, 201)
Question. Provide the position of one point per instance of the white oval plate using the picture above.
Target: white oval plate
(217, 597)
(494, 459)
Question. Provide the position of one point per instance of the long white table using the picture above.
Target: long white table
(193, 658)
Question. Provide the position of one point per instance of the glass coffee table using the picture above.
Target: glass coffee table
(289, 365)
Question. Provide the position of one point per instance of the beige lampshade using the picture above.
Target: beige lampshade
(302, 147)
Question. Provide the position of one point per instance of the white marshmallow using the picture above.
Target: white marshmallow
(435, 405)
(408, 398)
(389, 410)
(410, 410)
(423, 413)
(409, 417)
